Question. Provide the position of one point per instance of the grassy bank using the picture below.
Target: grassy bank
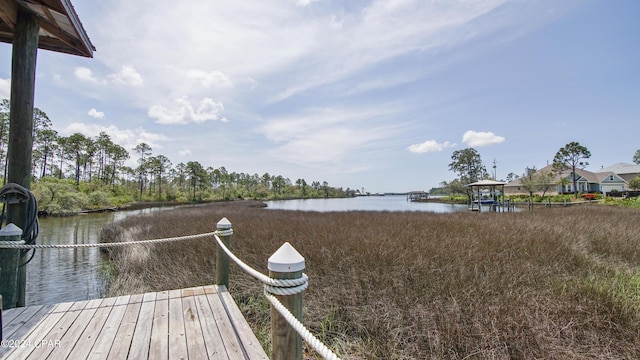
(554, 283)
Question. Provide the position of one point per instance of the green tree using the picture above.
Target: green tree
(76, 146)
(44, 146)
(636, 157)
(511, 177)
(634, 183)
(103, 144)
(468, 165)
(302, 184)
(159, 166)
(196, 172)
(118, 155)
(144, 151)
(568, 158)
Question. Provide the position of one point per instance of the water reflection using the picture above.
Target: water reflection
(59, 275)
(365, 203)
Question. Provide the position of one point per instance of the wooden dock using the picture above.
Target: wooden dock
(195, 323)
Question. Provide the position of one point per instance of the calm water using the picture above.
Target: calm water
(367, 203)
(59, 275)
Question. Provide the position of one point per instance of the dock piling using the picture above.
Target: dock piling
(9, 262)
(222, 259)
(286, 263)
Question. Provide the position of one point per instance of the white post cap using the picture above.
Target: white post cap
(10, 230)
(224, 224)
(286, 260)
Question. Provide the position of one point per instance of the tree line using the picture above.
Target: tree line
(101, 162)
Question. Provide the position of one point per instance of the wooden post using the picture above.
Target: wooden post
(23, 82)
(10, 260)
(222, 260)
(286, 344)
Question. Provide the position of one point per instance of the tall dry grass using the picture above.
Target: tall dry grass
(553, 283)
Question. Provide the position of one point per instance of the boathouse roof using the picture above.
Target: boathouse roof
(60, 27)
(486, 183)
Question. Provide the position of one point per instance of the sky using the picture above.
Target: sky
(373, 94)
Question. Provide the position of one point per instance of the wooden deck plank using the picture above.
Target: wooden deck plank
(10, 314)
(142, 333)
(232, 345)
(177, 339)
(216, 348)
(37, 330)
(20, 322)
(247, 337)
(102, 346)
(71, 337)
(193, 332)
(159, 347)
(57, 332)
(178, 324)
(122, 341)
(88, 337)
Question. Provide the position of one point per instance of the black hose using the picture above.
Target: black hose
(15, 193)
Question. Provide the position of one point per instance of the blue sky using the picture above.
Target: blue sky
(361, 94)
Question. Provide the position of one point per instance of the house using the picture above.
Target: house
(606, 180)
(624, 170)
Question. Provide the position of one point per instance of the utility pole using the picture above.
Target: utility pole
(494, 169)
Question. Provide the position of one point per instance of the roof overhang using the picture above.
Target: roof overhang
(487, 183)
(60, 27)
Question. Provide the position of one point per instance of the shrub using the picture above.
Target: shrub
(99, 200)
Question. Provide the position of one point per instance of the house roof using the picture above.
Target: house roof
(622, 168)
(60, 27)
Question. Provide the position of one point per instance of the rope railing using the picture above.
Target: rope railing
(21, 245)
(280, 287)
(272, 283)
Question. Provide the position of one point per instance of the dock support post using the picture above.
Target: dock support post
(10, 262)
(23, 78)
(222, 260)
(286, 263)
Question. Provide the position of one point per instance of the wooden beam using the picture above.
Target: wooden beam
(8, 13)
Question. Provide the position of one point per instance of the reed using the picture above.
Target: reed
(553, 283)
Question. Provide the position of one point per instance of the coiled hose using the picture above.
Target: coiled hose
(11, 194)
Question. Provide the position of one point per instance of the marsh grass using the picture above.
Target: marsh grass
(553, 283)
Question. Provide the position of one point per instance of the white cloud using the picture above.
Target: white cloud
(5, 88)
(429, 146)
(481, 138)
(127, 138)
(184, 152)
(85, 74)
(128, 76)
(208, 79)
(96, 114)
(330, 44)
(186, 114)
(306, 2)
(329, 135)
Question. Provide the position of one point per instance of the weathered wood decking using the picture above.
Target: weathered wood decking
(196, 323)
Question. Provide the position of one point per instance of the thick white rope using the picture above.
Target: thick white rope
(281, 287)
(21, 245)
(306, 335)
(281, 283)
